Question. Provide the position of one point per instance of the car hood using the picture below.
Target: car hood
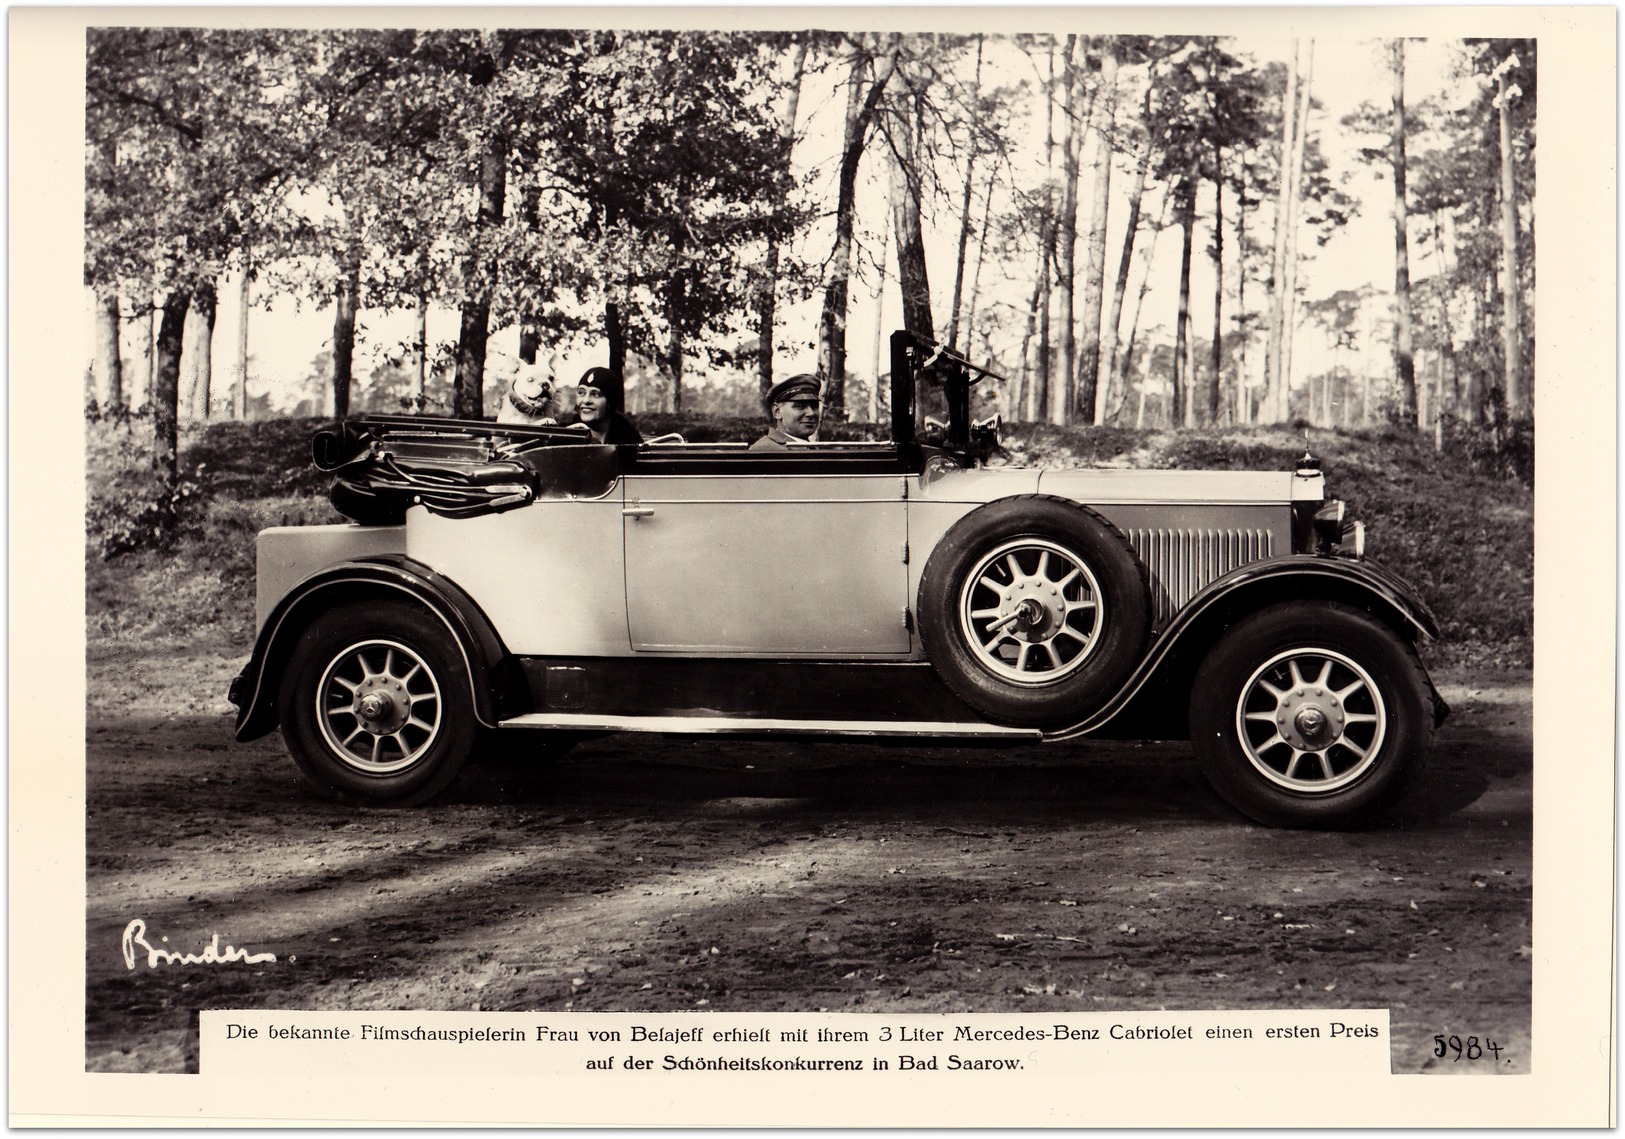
(1185, 488)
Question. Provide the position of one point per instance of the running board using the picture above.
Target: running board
(732, 725)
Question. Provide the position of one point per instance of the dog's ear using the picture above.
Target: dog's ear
(553, 361)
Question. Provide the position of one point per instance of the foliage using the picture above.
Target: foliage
(126, 509)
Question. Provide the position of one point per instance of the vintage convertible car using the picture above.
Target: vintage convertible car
(502, 580)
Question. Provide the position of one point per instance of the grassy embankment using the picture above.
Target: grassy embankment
(1463, 537)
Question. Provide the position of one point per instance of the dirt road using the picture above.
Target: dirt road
(641, 873)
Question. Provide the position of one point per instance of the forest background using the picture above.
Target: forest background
(1103, 219)
(284, 224)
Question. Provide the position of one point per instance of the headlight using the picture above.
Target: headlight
(1329, 523)
(1333, 528)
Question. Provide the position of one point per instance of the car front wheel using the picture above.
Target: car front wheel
(1311, 714)
(375, 704)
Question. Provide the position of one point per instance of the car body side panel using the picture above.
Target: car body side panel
(287, 555)
(944, 495)
(548, 575)
(778, 565)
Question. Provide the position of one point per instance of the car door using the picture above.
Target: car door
(737, 553)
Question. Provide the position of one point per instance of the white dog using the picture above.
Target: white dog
(530, 397)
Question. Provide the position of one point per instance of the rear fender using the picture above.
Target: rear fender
(1152, 703)
(496, 687)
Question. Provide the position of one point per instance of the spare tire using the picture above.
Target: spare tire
(1033, 610)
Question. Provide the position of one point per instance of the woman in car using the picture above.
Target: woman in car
(600, 403)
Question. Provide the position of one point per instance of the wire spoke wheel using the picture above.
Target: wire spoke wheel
(1311, 714)
(376, 702)
(1031, 611)
(1311, 720)
(378, 707)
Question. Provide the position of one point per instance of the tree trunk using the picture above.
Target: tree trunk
(1511, 335)
(166, 385)
(1447, 338)
(767, 297)
(468, 389)
(981, 254)
(1037, 401)
(1438, 402)
(1290, 261)
(1244, 403)
(615, 337)
(1037, 307)
(1404, 363)
(1289, 325)
(1365, 372)
(832, 320)
(676, 296)
(1285, 191)
(1183, 414)
(530, 323)
(1216, 352)
(346, 299)
(109, 368)
(880, 328)
(1139, 305)
(1090, 404)
(912, 279)
(147, 369)
(186, 399)
(964, 208)
(1114, 314)
(1061, 396)
(239, 397)
(418, 396)
(1326, 399)
(205, 306)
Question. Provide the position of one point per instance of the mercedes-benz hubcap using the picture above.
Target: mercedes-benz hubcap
(378, 707)
(1311, 720)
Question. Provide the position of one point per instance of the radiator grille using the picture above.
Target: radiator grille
(1182, 562)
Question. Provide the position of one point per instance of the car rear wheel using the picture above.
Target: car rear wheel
(375, 704)
(1033, 610)
(1311, 714)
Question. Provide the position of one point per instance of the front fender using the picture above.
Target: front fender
(1159, 688)
(493, 681)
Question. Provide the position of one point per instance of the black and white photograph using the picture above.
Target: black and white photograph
(884, 521)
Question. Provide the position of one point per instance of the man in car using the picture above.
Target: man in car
(792, 414)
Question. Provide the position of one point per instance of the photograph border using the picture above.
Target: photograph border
(1571, 1081)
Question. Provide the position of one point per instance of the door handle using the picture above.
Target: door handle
(637, 512)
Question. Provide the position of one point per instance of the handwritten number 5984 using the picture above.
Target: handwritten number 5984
(1470, 1049)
